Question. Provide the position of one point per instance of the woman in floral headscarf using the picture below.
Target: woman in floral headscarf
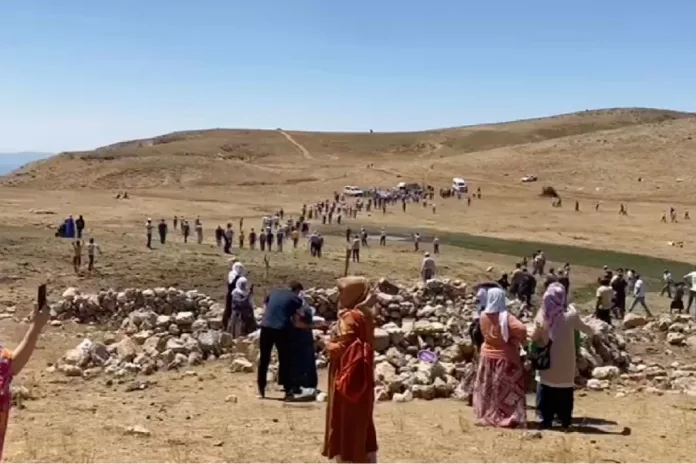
(350, 434)
(556, 324)
(499, 390)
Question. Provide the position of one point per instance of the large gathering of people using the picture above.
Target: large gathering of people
(498, 390)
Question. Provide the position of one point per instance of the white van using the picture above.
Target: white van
(459, 185)
(352, 191)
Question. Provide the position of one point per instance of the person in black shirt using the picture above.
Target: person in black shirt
(162, 229)
(80, 226)
(619, 285)
(279, 319)
(527, 288)
(678, 299)
(503, 282)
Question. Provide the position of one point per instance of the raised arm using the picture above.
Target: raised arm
(24, 350)
(579, 324)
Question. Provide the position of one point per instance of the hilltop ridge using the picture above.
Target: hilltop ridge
(247, 156)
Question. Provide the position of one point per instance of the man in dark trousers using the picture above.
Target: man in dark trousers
(619, 285)
(527, 288)
(162, 229)
(279, 319)
(80, 226)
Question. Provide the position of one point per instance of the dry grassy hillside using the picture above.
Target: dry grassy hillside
(650, 162)
(263, 157)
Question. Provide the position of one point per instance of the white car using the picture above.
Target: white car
(352, 191)
(529, 178)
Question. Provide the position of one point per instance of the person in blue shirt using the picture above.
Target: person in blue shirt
(279, 320)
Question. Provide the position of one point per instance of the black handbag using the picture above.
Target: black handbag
(540, 356)
(475, 333)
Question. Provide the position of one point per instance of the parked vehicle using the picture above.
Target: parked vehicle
(353, 191)
(459, 185)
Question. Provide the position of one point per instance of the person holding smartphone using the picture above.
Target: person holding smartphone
(12, 362)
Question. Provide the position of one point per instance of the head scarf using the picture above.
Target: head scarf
(496, 304)
(554, 307)
(237, 271)
(354, 292)
(241, 287)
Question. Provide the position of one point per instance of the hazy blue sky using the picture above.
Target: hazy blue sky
(76, 74)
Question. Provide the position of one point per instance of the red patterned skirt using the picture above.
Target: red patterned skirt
(499, 393)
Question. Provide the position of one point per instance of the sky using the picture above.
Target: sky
(78, 74)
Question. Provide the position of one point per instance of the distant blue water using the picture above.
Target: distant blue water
(11, 161)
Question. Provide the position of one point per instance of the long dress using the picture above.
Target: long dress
(350, 433)
(304, 355)
(500, 386)
(241, 322)
(228, 302)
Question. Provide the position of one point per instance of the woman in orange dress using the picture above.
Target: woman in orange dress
(499, 389)
(350, 434)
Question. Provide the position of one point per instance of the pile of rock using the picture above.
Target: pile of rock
(162, 329)
(441, 298)
(675, 333)
(159, 329)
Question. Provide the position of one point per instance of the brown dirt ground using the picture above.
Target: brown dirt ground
(225, 175)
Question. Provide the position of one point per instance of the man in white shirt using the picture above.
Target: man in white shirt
(639, 292)
(667, 283)
(690, 279)
(427, 267)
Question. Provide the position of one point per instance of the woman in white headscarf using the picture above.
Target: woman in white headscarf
(499, 390)
(236, 271)
(241, 321)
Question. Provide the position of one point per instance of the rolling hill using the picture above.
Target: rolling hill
(218, 157)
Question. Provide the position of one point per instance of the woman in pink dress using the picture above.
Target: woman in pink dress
(12, 362)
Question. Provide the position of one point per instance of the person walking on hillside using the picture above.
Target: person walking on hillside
(77, 255)
(428, 267)
(185, 230)
(639, 293)
(252, 239)
(92, 248)
(175, 222)
(619, 285)
(690, 279)
(199, 231)
(605, 301)
(416, 242)
(228, 236)
(382, 238)
(148, 232)
(80, 226)
(355, 249)
(667, 282)
(436, 246)
(162, 229)
(219, 232)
